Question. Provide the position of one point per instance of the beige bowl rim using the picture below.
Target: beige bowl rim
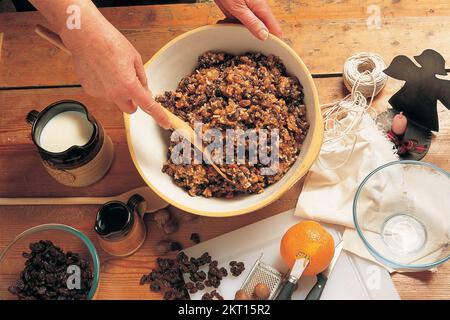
(308, 159)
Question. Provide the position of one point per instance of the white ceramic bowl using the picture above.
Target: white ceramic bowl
(148, 143)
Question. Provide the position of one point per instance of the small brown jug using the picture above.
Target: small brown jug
(120, 227)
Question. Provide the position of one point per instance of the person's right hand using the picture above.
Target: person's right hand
(108, 66)
(254, 14)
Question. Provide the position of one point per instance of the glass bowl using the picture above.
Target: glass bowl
(401, 211)
(67, 238)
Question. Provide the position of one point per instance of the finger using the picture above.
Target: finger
(262, 10)
(143, 97)
(127, 106)
(251, 21)
(224, 10)
(140, 72)
(156, 111)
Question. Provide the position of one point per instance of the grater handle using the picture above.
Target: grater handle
(286, 291)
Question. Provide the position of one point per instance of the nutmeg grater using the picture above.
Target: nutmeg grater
(263, 273)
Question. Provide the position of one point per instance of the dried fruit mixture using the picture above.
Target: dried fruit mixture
(249, 91)
(168, 276)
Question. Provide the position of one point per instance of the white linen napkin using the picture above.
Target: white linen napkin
(327, 194)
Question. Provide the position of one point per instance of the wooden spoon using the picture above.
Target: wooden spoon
(154, 202)
(1, 44)
(176, 122)
(188, 133)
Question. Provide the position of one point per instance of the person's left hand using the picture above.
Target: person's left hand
(254, 14)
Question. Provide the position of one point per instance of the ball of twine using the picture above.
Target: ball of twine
(364, 78)
(367, 69)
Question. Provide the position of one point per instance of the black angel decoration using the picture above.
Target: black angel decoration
(417, 99)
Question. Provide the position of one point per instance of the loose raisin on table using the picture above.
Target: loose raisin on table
(195, 238)
(168, 276)
(175, 246)
(236, 268)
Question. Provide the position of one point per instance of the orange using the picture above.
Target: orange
(310, 238)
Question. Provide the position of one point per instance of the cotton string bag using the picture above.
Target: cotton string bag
(364, 78)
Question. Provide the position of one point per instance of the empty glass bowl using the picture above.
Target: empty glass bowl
(67, 238)
(402, 213)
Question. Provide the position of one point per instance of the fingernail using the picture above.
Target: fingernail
(263, 34)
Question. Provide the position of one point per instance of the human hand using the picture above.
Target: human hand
(110, 67)
(254, 14)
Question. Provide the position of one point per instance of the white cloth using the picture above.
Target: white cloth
(327, 195)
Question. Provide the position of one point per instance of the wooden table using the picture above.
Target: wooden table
(33, 74)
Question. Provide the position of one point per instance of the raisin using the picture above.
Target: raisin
(195, 238)
(154, 287)
(45, 274)
(175, 246)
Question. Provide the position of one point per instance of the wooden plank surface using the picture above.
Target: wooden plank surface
(26, 177)
(1, 45)
(323, 32)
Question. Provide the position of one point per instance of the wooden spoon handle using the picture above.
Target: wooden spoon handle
(51, 37)
(52, 201)
(189, 133)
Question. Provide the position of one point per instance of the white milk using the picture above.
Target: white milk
(65, 130)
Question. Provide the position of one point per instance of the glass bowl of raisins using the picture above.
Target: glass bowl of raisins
(49, 262)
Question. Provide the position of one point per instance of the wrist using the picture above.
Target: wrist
(91, 26)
